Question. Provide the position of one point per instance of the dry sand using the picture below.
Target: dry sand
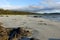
(43, 29)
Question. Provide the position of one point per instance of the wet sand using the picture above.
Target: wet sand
(43, 29)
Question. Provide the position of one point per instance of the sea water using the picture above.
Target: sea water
(52, 17)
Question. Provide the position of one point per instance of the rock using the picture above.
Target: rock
(17, 33)
(26, 38)
(3, 33)
(13, 33)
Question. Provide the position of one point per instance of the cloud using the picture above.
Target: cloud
(4, 3)
(47, 6)
(12, 7)
(43, 6)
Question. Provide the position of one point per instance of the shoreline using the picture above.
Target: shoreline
(43, 27)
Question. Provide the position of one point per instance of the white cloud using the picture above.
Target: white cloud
(12, 7)
(5, 4)
(52, 6)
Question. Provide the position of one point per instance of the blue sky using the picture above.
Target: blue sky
(40, 5)
(19, 2)
(23, 2)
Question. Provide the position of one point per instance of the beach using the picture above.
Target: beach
(42, 28)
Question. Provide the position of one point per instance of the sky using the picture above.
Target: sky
(32, 5)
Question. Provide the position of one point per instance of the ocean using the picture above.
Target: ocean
(52, 17)
(49, 17)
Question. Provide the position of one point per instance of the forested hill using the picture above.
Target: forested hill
(11, 12)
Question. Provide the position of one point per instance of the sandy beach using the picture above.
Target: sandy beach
(43, 29)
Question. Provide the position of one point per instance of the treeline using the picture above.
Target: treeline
(11, 12)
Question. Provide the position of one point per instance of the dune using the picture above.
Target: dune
(43, 29)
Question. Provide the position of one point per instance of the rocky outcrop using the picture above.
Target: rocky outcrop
(14, 33)
(3, 33)
(18, 33)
